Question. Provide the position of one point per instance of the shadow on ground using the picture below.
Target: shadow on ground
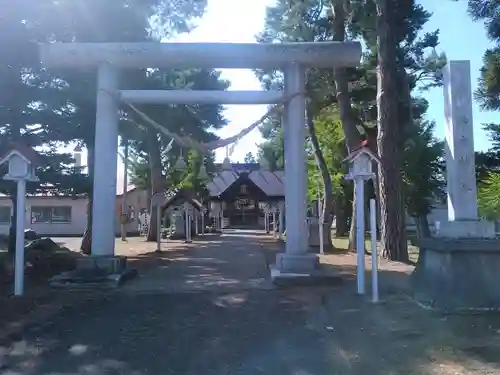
(219, 264)
(306, 331)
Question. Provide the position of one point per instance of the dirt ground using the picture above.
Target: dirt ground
(397, 335)
(335, 331)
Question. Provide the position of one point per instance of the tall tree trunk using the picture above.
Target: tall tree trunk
(327, 209)
(393, 231)
(157, 180)
(422, 224)
(342, 206)
(347, 116)
(86, 245)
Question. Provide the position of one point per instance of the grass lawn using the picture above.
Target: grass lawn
(342, 243)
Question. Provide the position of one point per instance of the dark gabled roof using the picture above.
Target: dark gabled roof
(184, 195)
(271, 183)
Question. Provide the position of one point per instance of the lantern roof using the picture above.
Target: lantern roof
(27, 153)
(363, 149)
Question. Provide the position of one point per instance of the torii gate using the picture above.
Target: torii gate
(292, 58)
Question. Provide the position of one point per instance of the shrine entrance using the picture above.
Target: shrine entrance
(246, 213)
(291, 58)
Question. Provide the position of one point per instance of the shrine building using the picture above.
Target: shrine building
(243, 191)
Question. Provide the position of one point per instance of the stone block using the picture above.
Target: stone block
(458, 274)
(109, 264)
(297, 263)
(314, 235)
(467, 229)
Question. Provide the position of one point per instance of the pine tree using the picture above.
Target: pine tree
(249, 158)
(354, 91)
(59, 105)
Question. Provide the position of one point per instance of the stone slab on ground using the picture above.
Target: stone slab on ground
(297, 263)
(318, 277)
(106, 264)
(92, 279)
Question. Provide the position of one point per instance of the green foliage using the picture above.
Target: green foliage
(489, 162)
(331, 139)
(190, 179)
(486, 162)
(488, 197)
(138, 171)
(195, 121)
(249, 158)
(422, 169)
(493, 131)
(415, 53)
(488, 92)
(58, 106)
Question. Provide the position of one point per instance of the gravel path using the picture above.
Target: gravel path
(209, 310)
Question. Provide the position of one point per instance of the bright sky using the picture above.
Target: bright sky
(240, 21)
(219, 24)
(461, 39)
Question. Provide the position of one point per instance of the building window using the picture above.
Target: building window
(50, 215)
(243, 189)
(5, 213)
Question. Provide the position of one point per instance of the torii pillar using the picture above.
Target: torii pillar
(296, 258)
(105, 161)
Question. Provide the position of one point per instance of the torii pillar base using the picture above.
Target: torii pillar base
(297, 263)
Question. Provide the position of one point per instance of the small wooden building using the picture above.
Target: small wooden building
(176, 199)
(174, 211)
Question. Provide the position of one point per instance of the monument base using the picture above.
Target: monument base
(297, 263)
(95, 272)
(467, 229)
(110, 264)
(458, 274)
(302, 270)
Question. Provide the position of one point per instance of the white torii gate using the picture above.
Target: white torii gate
(292, 58)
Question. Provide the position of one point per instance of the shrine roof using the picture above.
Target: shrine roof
(184, 195)
(271, 183)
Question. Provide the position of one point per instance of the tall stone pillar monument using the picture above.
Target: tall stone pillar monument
(461, 187)
(458, 268)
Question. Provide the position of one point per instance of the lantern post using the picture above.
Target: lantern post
(360, 170)
(21, 163)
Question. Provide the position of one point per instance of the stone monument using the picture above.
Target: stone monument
(458, 268)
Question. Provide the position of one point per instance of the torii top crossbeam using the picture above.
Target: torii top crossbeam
(201, 55)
